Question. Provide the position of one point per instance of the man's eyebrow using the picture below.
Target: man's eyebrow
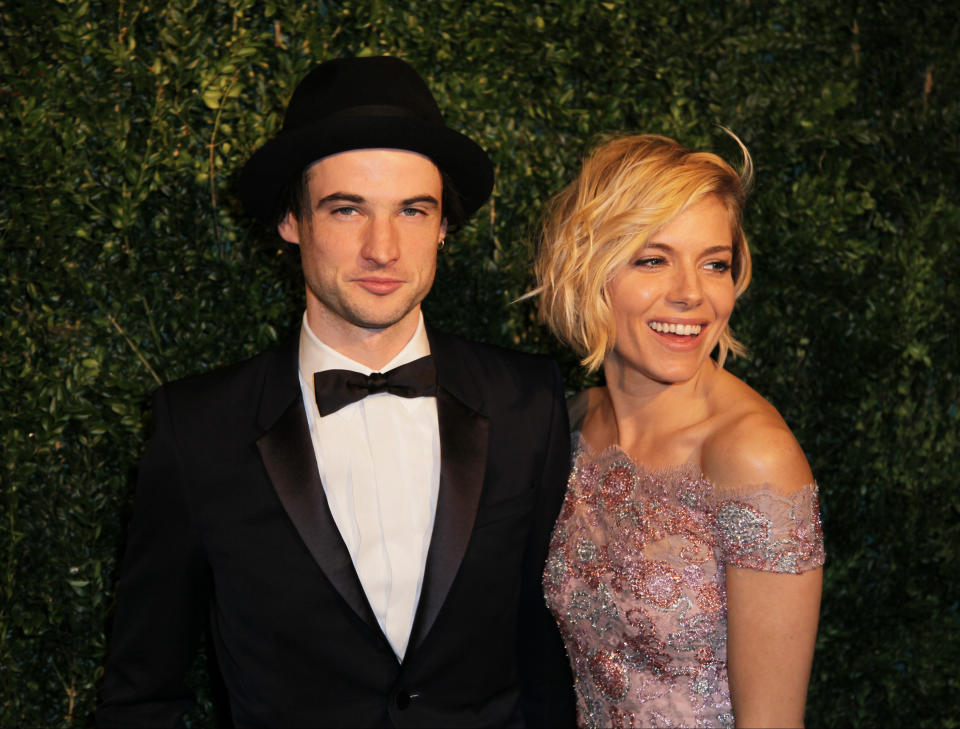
(429, 199)
(358, 199)
(340, 197)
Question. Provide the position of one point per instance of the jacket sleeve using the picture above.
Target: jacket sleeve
(162, 597)
(547, 682)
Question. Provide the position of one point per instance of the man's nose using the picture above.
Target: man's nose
(381, 242)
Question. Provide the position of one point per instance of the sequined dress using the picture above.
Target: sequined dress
(635, 579)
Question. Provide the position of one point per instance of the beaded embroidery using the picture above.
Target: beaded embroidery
(636, 582)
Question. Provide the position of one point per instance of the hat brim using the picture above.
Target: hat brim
(277, 163)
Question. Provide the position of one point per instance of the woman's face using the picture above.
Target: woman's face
(672, 300)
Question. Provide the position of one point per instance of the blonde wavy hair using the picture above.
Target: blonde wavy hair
(628, 190)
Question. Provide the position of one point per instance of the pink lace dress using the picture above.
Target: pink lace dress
(636, 580)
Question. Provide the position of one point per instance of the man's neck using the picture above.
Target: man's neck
(373, 348)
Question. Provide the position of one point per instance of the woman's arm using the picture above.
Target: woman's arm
(772, 612)
(771, 630)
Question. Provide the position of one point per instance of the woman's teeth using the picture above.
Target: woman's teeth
(687, 330)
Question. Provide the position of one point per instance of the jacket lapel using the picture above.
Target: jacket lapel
(464, 433)
(287, 453)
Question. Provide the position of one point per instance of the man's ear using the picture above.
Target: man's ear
(443, 231)
(289, 228)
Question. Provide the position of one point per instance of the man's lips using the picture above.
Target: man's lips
(379, 285)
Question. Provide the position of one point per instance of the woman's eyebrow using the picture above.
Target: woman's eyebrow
(667, 247)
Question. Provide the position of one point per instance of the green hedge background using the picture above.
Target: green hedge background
(126, 263)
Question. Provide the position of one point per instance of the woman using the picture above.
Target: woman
(685, 567)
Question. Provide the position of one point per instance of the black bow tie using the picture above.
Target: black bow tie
(336, 388)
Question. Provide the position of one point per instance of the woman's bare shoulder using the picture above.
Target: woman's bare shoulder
(591, 414)
(750, 445)
(577, 406)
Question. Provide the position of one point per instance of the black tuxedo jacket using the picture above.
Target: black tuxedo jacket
(231, 532)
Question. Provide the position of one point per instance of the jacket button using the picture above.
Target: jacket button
(403, 700)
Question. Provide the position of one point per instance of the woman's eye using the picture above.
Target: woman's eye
(719, 266)
(648, 261)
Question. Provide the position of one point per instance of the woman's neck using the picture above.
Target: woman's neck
(647, 418)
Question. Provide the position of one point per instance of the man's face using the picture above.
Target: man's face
(369, 241)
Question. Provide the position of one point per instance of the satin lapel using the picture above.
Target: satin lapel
(463, 448)
(287, 452)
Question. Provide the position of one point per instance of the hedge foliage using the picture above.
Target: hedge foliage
(127, 263)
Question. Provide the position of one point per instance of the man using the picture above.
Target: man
(365, 549)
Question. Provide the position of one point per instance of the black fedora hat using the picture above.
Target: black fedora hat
(361, 103)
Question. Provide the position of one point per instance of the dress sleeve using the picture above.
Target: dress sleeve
(769, 530)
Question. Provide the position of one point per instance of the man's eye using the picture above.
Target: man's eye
(412, 212)
(345, 210)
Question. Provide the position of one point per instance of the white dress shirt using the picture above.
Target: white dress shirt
(379, 460)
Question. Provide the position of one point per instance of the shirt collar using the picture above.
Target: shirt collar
(317, 356)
